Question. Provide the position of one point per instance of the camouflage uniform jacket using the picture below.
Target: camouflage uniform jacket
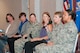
(63, 40)
(33, 29)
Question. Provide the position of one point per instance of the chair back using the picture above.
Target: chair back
(74, 49)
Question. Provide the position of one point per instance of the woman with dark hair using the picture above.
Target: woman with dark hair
(12, 25)
(7, 15)
(70, 14)
(11, 29)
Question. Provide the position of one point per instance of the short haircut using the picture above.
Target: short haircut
(73, 15)
(32, 14)
(9, 14)
(21, 14)
(59, 13)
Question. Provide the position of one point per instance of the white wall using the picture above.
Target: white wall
(9, 6)
(25, 7)
(28, 6)
(59, 5)
(37, 9)
(50, 6)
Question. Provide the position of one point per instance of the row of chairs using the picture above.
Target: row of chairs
(75, 49)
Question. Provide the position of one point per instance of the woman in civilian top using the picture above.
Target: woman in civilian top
(43, 38)
(11, 29)
(12, 25)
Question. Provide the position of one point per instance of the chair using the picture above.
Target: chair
(74, 49)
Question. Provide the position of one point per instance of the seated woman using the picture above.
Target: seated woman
(63, 40)
(11, 27)
(43, 38)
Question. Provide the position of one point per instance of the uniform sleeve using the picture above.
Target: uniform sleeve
(27, 29)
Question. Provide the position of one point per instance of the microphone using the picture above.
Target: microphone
(30, 35)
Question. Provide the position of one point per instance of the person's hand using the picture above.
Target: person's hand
(35, 39)
(24, 36)
(16, 36)
(49, 43)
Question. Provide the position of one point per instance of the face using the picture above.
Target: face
(65, 16)
(9, 18)
(23, 18)
(56, 19)
(45, 18)
(32, 19)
